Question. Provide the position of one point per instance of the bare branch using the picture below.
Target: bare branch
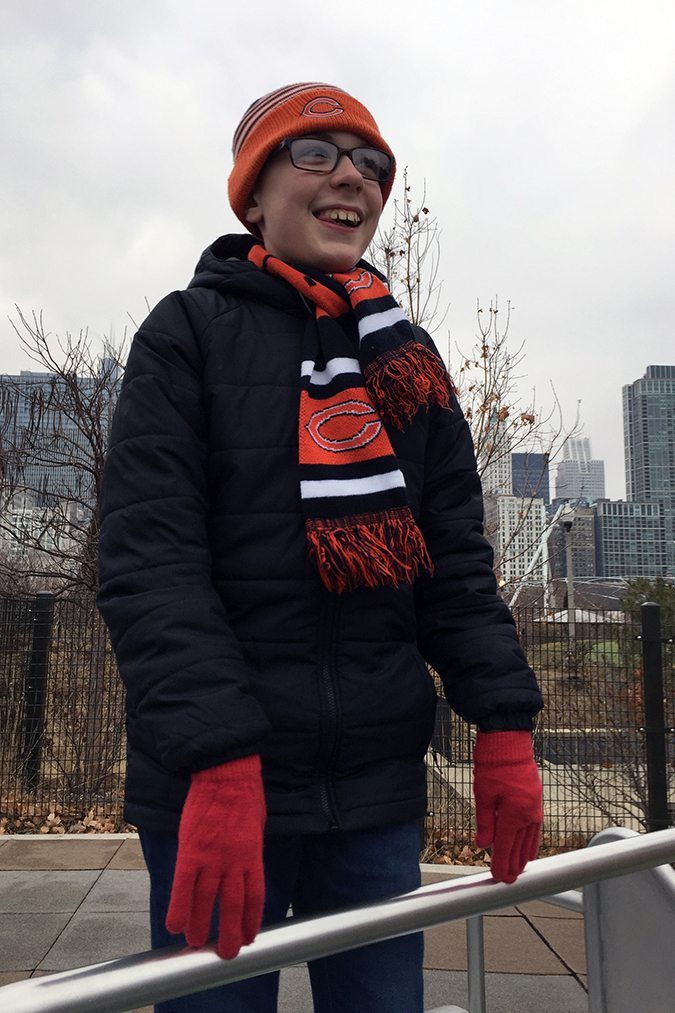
(54, 428)
(407, 253)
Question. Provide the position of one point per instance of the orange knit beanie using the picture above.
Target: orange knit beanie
(295, 109)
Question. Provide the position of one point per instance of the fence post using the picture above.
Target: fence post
(655, 730)
(35, 684)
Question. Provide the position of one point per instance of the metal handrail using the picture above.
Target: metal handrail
(152, 977)
(571, 900)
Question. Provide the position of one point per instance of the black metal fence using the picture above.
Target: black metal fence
(604, 759)
(61, 718)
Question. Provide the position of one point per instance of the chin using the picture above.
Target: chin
(338, 263)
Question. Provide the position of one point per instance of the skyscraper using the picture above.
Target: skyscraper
(529, 476)
(582, 543)
(516, 493)
(524, 475)
(515, 526)
(580, 478)
(53, 428)
(40, 444)
(649, 446)
(629, 539)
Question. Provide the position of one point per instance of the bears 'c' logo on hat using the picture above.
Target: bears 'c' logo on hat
(322, 106)
(347, 425)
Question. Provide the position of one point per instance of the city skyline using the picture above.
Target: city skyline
(568, 454)
(612, 538)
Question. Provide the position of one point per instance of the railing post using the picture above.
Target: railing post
(35, 683)
(655, 725)
(475, 964)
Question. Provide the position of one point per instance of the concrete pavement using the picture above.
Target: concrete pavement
(70, 901)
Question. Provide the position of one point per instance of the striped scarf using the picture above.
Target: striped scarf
(359, 526)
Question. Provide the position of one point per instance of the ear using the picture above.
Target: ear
(254, 213)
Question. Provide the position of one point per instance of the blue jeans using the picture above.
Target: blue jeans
(315, 874)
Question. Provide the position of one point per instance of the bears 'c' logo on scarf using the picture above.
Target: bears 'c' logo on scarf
(364, 279)
(344, 426)
(322, 106)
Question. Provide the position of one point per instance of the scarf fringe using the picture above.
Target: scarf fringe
(404, 379)
(368, 550)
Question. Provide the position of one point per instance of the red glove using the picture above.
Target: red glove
(220, 857)
(509, 808)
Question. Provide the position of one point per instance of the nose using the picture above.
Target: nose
(345, 173)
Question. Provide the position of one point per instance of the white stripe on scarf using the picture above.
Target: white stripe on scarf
(377, 321)
(334, 367)
(318, 488)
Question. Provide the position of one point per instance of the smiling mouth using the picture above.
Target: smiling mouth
(339, 216)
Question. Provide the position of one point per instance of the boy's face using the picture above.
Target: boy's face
(291, 208)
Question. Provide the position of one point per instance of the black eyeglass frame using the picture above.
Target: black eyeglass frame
(339, 152)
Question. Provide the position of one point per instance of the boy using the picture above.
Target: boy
(292, 527)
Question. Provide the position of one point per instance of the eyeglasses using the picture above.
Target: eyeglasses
(313, 154)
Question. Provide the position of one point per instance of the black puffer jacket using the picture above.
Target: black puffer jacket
(225, 638)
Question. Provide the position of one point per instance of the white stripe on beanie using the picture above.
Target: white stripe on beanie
(265, 104)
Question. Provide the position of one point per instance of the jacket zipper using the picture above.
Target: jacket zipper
(329, 697)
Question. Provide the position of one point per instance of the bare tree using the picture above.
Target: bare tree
(407, 252)
(489, 373)
(54, 426)
(489, 377)
(53, 433)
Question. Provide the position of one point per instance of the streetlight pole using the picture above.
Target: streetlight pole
(567, 522)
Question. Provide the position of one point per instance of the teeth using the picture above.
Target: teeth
(341, 215)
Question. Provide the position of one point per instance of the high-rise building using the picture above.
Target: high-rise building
(629, 539)
(649, 445)
(494, 458)
(52, 434)
(516, 491)
(45, 444)
(582, 544)
(524, 475)
(529, 476)
(580, 478)
(40, 444)
(515, 526)
(496, 477)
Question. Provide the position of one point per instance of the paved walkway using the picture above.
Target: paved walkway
(70, 901)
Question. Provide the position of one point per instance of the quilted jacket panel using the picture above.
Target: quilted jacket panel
(227, 642)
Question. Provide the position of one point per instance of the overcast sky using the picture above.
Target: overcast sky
(545, 132)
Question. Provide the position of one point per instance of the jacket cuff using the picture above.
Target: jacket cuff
(501, 721)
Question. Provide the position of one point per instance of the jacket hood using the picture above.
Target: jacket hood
(224, 266)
